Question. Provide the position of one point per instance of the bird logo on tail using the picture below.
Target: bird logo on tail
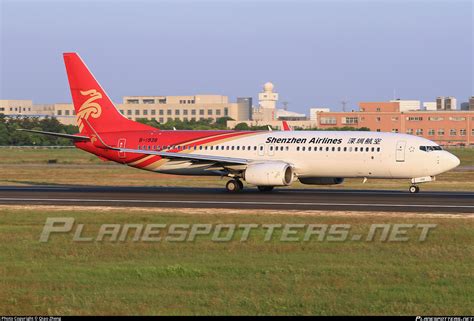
(89, 107)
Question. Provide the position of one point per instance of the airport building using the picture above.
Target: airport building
(445, 103)
(267, 113)
(185, 108)
(446, 127)
(16, 107)
(160, 108)
(437, 121)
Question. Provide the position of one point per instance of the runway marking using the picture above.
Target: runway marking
(228, 202)
(34, 188)
(299, 191)
(375, 192)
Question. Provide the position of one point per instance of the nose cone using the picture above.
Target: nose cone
(450, 161)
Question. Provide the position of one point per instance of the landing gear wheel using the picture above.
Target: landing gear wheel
(265, 188)
(241, 185)
(414, 189)
(234, 185)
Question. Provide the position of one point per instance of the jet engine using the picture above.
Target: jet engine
(269, 174)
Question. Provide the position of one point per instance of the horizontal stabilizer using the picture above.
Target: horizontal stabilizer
(76, 138)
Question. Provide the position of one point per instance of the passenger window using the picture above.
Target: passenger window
(333, 149)
(345, 149)
(367, 149)
(339, 149)
(309, 148)
(261, 147)
(298, 149)
(232, 147)
(356, 149)
(327, 149)
(287, 148)
(238, 147)
(321, 148)
(373, 149)
(303, 148)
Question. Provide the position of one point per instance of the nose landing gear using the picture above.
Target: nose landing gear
(419, 180)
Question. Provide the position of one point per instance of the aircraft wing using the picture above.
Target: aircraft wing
(98, 142)
(186, 156)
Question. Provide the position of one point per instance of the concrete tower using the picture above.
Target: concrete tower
(267, 98)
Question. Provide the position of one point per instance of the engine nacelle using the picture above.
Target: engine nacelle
(321, 180)
(269, 174)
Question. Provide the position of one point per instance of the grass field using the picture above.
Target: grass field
(254, 277)
(30, 167)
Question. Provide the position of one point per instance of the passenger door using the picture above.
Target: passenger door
(400, 152)
(121, 144)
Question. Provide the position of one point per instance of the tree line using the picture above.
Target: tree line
(10, 136)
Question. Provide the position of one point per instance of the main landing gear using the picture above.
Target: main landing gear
(414, 189)
(234, 186)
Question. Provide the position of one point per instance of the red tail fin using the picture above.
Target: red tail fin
(91, 101)
(286, 127)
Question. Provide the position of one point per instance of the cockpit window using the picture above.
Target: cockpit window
(430, 148)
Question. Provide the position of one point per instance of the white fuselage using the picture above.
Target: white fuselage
(330, 154)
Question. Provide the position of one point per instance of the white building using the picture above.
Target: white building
(407, 105)
(313, 112)
(446, 103)
(429, 105)
(283, 114)
(267, 98)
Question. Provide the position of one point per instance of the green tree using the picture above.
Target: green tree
(242, 126)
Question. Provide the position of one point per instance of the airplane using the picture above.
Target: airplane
(265, 159)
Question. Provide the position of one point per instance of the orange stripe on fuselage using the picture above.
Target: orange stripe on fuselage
(153, 162)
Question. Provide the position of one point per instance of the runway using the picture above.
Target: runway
(250, 198)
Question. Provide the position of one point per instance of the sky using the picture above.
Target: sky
(317, 53)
